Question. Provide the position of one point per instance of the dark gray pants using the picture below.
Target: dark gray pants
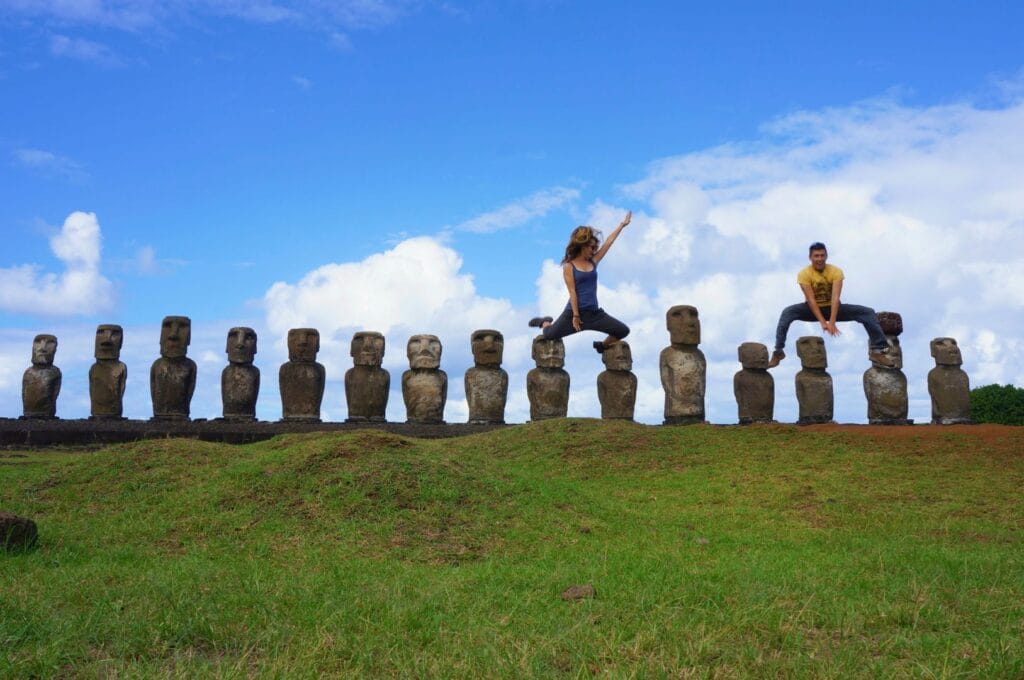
(590, 320)
(865, 316)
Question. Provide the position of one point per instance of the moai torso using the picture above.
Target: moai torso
(547, 385)
(172, 378)
(813, 383)
(240, 379)
(367, 385)
(108, 376)
(948, 384)
(486, 383)
(301, 379)
(616, 386)
(886, 388)
(40, 385)
(683, 368)
(424, 385)
(753, 385)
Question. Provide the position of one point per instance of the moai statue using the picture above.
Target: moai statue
(616, 385)
(486, 382)
(948, 385)
(813, 383)
(108, 376)
(240, 380)
(367, 384)
(886, 388)
(547, 385)
(172, 378)
(683, 368)
(301, 379)
(424, 385)
(753, 385)
(41, 383)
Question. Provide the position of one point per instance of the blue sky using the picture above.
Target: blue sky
(416, 167)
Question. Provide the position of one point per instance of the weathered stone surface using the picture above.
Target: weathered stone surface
(40, 384)
(580, 592)
(891, 323)
(683, 368)
(948, 384)
(814, 391)
(240, 380)
(367, 385)
(108, 376)
(17, 533)
(886, 388)
(301, 379)
(424, 385)
(486, 383)
(547, 385)
(172, 378)
(753, 385)
(616, 386)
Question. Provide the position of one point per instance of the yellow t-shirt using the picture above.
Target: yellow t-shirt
(820, 282)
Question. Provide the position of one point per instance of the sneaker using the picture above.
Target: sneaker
(777, 356)
(600, 346)
(881, 357)
(538, 321)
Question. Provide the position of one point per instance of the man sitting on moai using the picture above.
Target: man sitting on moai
(108, 376)
(753, 385)
(40, 384)
(813, 383)
(886, 388)
(547, 385)
(683, 368)
(948, 385)
(367, 384)
(486, 382)
(616, 385)
(822, 284)
(240, 380)
(172, 378)
(301, 379)
(424, 385)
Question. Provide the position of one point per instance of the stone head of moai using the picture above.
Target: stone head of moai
(618, 357)
(44, 347)
(303, 344)
(895, 353)
(548, 353)
(424, 351)
(488, 347)
(753, 355)
(683, 324)
(367, 349)
(175, 336)
(811, 350)
(241, 345)
(109, 338)
(891, 322)
(946, 352)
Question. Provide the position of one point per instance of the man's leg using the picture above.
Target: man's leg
(797, 312)
(866, 317)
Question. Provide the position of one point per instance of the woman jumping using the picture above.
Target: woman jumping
(579, 268)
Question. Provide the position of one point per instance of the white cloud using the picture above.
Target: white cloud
(304, 84)
(520, 212)
(83, 50)
(49, 164)
(80, 289)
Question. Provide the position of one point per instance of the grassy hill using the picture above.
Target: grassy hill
(714, 552)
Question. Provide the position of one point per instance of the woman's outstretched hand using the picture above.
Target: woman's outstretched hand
(626, 220)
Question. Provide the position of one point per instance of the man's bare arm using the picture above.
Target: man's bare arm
(837, 289)
(813, 304)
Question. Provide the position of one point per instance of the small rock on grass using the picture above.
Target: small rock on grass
(580, 592)
(16, 532)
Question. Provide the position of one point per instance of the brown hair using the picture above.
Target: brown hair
(580, 237)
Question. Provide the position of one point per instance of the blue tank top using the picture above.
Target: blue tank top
(586, 288)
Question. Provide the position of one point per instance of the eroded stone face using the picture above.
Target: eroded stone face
(616, 386)
(891, 323)
(886, 390)
(172, 378)
(753, 355)
(175, 336)
(241, 345)
(948, 384)
(488, 347)
(40, 384)
(683, 325)
(946, 352)
(618, 357)
(895, 353)
(109, 338)
(44, 348)
(753, 386)
(811, 350)
(303, 344)
(548, 353)
(367, 348)
(424, 352)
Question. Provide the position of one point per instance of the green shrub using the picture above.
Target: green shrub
(998, 404)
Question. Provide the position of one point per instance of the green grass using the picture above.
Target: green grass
(766, 551)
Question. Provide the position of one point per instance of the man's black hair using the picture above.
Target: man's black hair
(817, 245)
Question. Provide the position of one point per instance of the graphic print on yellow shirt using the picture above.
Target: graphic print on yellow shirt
(820, 282)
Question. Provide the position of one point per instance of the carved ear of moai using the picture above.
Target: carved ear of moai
(241, 345)
(946, 352)
(175, 336)
(488, 347)
(44, 349)
(303, 344)
(109, 340)
(618, 357)
(683, 323)
(753, 355)
(367, 348)
(548, 353)
(811, 350)
(424, 351)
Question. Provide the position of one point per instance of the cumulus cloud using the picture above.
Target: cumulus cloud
(83, 50)
(49, 164)
(520, 212)
(80, 289)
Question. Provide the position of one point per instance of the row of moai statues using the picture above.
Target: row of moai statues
(683, 369)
